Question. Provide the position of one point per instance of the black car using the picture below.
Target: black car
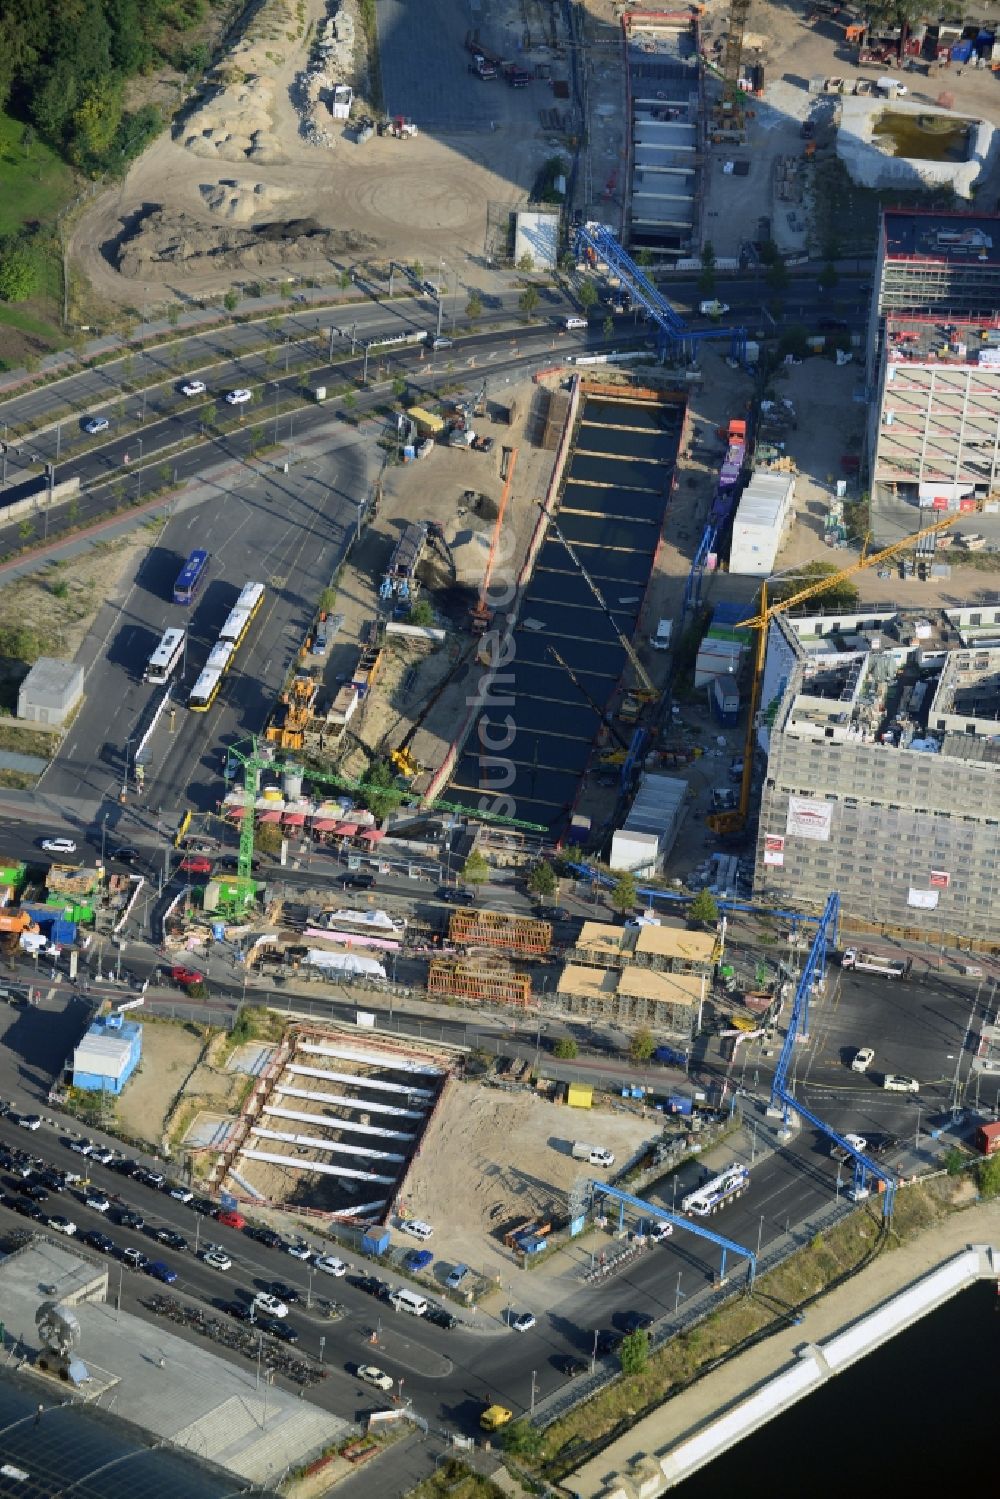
(171, 1238)
(832, 324)
(373, 1286)
(232, 861)
(241, 1310)
(27, 1208)
(456, 897)
(440, 1316)
(265, 1236)
(202, 1205)
(128, 1218)
(279, 1329)
(284, 1292)
(54, 1180)
(552, 913)
(124, 855)
(637, 1322)
(608, 1342)
(570, 1366)
(34, 1191)
(98, 1240)
(124, 1167)
(354, 881)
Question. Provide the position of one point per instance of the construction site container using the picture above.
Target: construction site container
(471, 928)
(468, 981)
(988, 1138)
(759, 525)
(580, 1096)
(376, 1241)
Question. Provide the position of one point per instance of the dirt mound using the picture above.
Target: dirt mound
(166, 237)
(239, 201)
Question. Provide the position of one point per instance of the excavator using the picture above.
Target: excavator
(734, 819)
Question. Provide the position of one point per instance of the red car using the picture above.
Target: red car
(196, 864)
(186, 976)
(231, 1219)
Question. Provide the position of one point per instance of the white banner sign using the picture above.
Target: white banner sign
(809, 819)
(924, 900)
(774, 849)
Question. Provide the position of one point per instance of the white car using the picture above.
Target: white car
(898, 1082)
(239, 397)
(572, 324)
(863, 1059)
(713, 308)
(330, 1264)
(96, 424)
(523, 1321)
(416, 1227)
(660, 1231)
(29, 1121)
(63, 1226)
(181, 1194)
(265, 1302)
(378, 1377)
(59, 845)
(299, 1251)
(97, 1201)
(82, 1147)
(217, 1259)
(193, 388)
(440, 343)
(103, 1154)
(840, 1154)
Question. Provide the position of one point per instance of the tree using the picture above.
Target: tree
(704, 909)
(706, 279)
(20, 270)
(609, 327)
(542, 880)
(344, 279)
(634, 1352)
(378, 790)
(173, 314)
(988, 1176)
(623, 896)
(96, 120)
(828, 277)
(794, 341)
(528, 300)
(587, 294)
(842, 595)
(954, 1161)
(267, 839)
(526, 262)
(521, 1439)
(421, 613)
(399, 387)
(475, 871)
(642, 1045)
(566, 1048)
(776, 275)
(474, 306)
(231, 300)
(417, 270)
(644, 257)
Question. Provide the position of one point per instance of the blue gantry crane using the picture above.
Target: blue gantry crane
(663, 1215)
(813, 969)
(596, 242)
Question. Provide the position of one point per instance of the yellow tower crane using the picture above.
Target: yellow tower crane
(734, 820)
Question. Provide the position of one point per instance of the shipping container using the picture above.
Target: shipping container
(987, 1138)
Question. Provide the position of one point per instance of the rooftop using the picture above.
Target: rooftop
(915, 338)
(676, 942)
(945, 238)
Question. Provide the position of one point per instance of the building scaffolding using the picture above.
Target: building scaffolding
(447, 978)
(471, 928)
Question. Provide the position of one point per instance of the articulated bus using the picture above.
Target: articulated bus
(190, 577)
(238, 621)
(166, 658)
(205, 690)
(220, 657)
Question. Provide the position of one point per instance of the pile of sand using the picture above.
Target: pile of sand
(240, 201)
(177, 239)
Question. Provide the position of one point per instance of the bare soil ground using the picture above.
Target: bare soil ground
(50, 612)
(169, 1051)
(239, 156)
(491, 1157)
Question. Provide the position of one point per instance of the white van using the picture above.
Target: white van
(408, 1301)
(573, 323)
(416, 1228)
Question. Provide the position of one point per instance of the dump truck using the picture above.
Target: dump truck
(875, 962)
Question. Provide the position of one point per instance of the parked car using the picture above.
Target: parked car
(278, 1329)
(373, 1285)
(171, 1238)
(299, 1251)
(33, 1190)
(283, 1291)
(239, 397)
(62, 1225)
(185, 977)
(124, 855)
(181, 1194)
(102, 1153)
(128, 1218)
(440, 1316)
(95, 424)
(28, 1121)
(195, 864)
(456, 1277)
(193, 388)
(329, 1264)
(265, 1302)
(217, 1259)
(98, 1240)
(265, 1236)
(135, 1259)
(831, 324)
(234, 1220)
(59, 845)
(456, 896)
(372, 1375)
(574, 324)
(159, 1270)
(98, 1202)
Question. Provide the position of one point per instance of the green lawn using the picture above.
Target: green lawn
(34, 182)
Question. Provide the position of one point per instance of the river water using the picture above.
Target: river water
(917, 1412)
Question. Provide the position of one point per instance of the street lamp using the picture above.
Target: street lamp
(138, 476)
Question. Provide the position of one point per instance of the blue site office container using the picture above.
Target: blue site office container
(376, 1241)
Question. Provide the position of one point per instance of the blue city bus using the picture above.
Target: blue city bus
(189, 577)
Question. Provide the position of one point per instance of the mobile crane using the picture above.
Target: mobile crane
(734, 820)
